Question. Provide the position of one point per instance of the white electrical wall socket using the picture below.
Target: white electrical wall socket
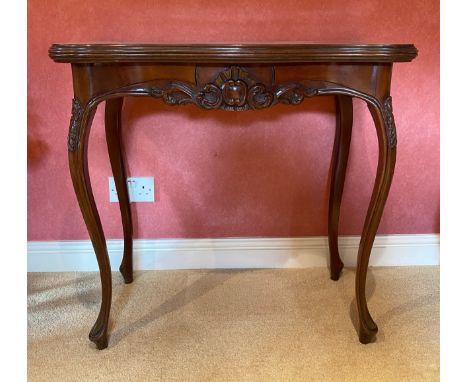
(140, 189)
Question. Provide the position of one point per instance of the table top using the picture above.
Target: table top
(297, 52)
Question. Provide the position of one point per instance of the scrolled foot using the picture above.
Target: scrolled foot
(127, 274)
(367, 335)
(335, 270)
(99, 337)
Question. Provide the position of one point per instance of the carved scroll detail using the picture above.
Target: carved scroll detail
(210, 97)
(174, 93)
(259, 97)
(75, 125)
(293, 93)
(389, 122)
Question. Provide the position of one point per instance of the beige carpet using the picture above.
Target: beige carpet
(235, 325)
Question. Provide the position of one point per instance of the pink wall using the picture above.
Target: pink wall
(234, 174)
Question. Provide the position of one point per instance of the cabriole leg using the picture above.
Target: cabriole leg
(78, 162)
(115, 149)
(383, 119)
(344, 125)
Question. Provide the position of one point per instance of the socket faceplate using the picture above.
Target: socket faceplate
(140, 189)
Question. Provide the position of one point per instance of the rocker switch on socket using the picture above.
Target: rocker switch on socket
(140, 189)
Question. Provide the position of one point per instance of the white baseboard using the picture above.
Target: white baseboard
(304, 252)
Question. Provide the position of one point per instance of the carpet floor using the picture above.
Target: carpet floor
(235, 325)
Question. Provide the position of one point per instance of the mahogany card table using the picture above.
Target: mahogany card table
(235, 77)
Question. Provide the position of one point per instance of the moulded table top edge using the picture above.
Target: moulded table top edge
(234, 53)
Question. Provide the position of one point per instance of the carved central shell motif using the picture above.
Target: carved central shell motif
(234, 92)
(234, 89)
